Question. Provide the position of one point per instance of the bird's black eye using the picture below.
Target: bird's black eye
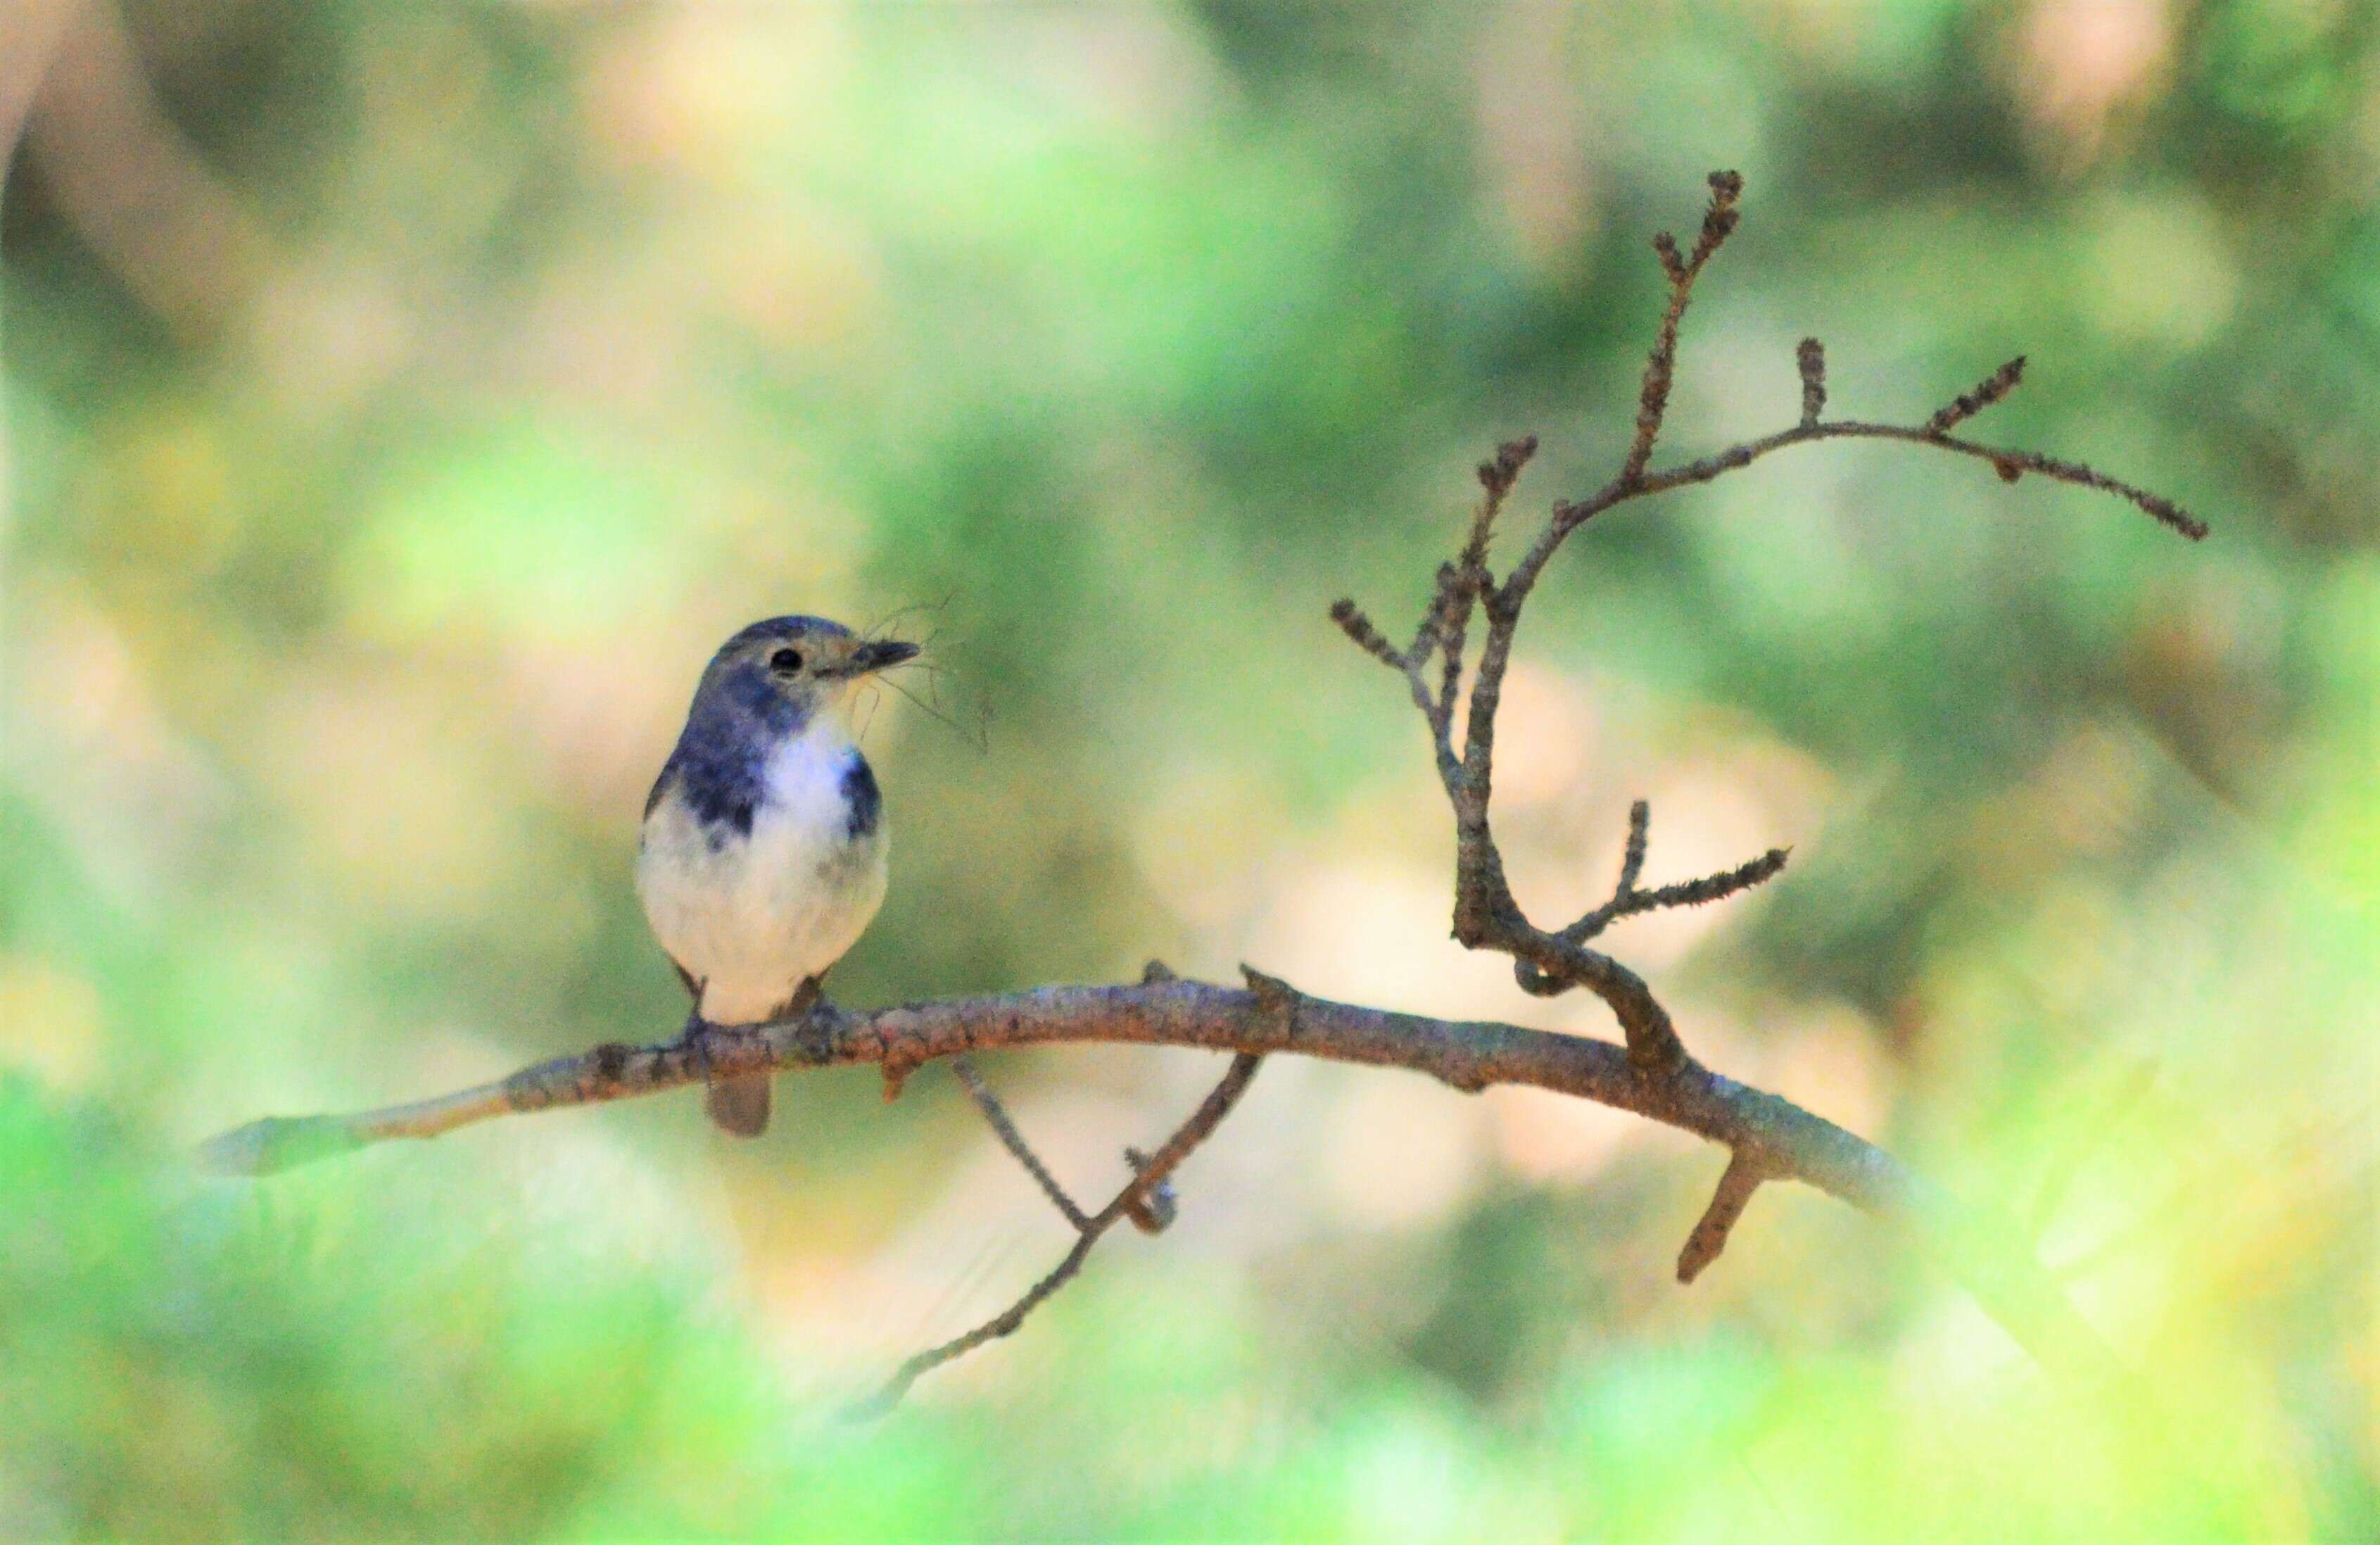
(786, 661)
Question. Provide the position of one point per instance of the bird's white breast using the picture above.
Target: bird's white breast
(751, 916)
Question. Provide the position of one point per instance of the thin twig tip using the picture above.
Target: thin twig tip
(1991, 389)
(271, 1144)
(1810, 358)
(1498, 474)
(1364, 636)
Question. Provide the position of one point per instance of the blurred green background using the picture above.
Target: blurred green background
(401, 401)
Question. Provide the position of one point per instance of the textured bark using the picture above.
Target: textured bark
(1793, 1143)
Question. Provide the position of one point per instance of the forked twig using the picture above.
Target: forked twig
(996, 1116)
(1486, 915)
(1135, 1196)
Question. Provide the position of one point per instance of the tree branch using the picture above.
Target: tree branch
(1486, 915)
(1465, 1054)
(996, 1116)
(1652, 396)
(1741, 1178)
(1650, 1074)
(1148, 1174)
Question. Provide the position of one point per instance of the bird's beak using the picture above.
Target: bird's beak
(870, 658)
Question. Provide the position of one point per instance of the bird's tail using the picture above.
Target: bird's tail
(738, 1106)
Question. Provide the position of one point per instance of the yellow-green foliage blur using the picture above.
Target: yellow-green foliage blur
(401, 400)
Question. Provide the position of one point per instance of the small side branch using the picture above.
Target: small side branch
(1136, 1196)
(1660, 369)
(1811, 358)
(1640, 839)
(1710, 888)
(1486, 914)
(1155, 1210)
(1367, 634)
(996, 1116)
(1628, 900)
(1743, 1177)
(1445, 622)
(1497, 475)
(2010, 463)
(1991, 389)
(1542, 980)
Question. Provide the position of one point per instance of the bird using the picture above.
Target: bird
(763, 853)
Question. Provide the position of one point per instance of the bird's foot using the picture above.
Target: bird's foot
(702, 1041)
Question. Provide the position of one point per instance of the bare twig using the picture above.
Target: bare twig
(1652, 396)
(1450, 619)
(1966, 404)
(1640, 838)
(1148, 1175)
(995, 1114)
(1486, 915)
(1628, 900)
(1650, 1073)
(1710, 887)
(2009, 464)
(1743, 1177)
(1811, 358)
(1469, 1056)
(1497, 477)
(1367, 637)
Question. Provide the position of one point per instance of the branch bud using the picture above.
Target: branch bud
(1812, 359)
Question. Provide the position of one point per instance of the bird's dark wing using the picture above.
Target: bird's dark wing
(662, 784)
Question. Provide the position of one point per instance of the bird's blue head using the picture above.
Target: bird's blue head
(765, 685)
(778, 674)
